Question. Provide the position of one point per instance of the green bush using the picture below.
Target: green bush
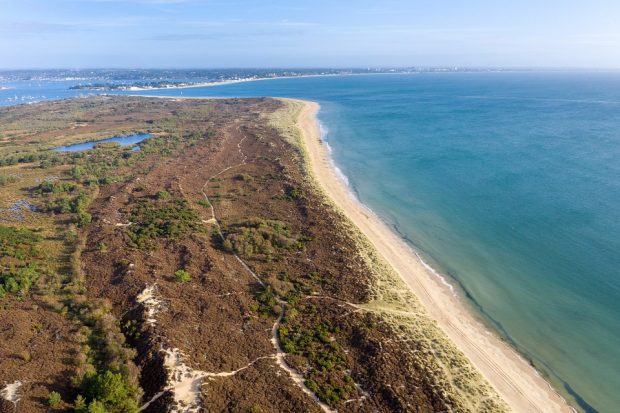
(107, 145)
(79, 405)
(107, 392)
(20, 243)
(182, 276)
(48, 187)
(204, 203)
(7, 179)
(80, 203)
(19, 258)
(267, 301)
(96, 407)
(54, 399)
(295, 193)
(83, 218)
(162, 195)
(20, 280)
(60, 205)
(258, 236)
(242, 177)
(151, 220)
(312, 385)
(64, 205)
(327, 377)
(77, 172)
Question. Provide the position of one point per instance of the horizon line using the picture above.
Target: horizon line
(281, 68)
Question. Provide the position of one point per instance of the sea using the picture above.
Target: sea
(507, 183)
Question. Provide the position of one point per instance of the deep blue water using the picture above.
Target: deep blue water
(507, 182)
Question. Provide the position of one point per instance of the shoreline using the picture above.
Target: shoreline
(233, 81)
(519, 384)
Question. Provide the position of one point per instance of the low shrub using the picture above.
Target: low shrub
(204, 203)
(107, 392)
(48, 187)
(267, 301)
(54, 399)
(19, 260)
(7, 179)
(258, 236)
(327, 377)
(162, 195)
(294, 193)
(242, 177)
(156, 219)
(182, 276)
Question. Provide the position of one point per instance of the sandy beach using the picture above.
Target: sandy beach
(516, 381)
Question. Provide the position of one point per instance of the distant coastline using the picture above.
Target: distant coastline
(141, 86)
(234, 78)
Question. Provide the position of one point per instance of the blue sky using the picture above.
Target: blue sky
(319, 33)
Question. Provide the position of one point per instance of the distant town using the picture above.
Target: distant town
(144, 79)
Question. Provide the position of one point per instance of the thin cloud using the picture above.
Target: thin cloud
(188, 37)
(294, 24)
(174, 37)
(37, 28)
(146, 2)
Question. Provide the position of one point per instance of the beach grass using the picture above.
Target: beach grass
(392, 300)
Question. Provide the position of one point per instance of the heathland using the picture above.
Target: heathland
(206, 270)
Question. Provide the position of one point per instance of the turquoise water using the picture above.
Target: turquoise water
(507, 182)
(123, 140)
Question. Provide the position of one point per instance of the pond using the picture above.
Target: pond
(123, 140)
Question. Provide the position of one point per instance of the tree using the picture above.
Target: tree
(109, 393)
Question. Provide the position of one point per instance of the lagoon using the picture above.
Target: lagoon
(122, 140)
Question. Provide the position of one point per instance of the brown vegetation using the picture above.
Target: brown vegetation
(215, 215)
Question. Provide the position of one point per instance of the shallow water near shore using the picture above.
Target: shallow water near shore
(507, 182)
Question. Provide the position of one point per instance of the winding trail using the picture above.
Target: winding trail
(279, 357)
(186, 382)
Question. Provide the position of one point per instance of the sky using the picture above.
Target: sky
(318, 33)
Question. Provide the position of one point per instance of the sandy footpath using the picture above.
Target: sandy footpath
(515, 380)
